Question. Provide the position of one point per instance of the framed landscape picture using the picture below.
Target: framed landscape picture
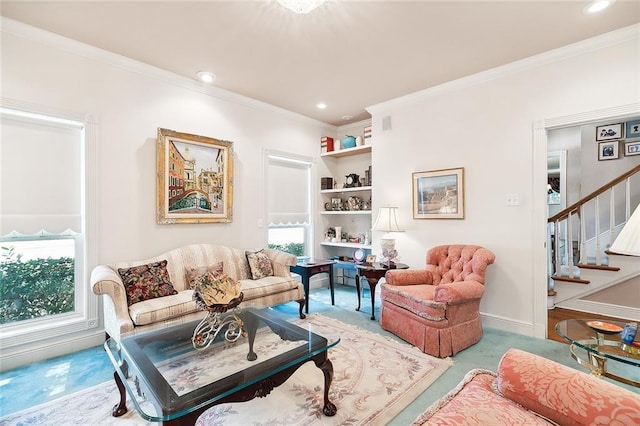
(438, 194)
(194, 178)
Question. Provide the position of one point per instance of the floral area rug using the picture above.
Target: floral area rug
(375, 377)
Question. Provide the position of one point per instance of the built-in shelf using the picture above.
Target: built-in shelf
(347, 245)
(338, 190)
(348, 151)
(346, 212)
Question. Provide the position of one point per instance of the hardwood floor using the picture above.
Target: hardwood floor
(559, 314)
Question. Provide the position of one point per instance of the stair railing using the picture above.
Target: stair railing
(573, 221)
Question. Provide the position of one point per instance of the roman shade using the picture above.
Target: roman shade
(40, 174)
(288, 183)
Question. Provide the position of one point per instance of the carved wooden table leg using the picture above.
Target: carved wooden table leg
(120, 408)
(326, 366)
(251, 326)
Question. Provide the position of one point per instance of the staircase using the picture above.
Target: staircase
(585, 266)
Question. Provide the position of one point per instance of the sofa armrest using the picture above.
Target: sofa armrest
(563, 394)
(105, 281)
(458, 292)
(281, 262)
(408, 277)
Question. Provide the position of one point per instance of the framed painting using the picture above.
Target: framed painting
(632, 129)
(608, 150)
(438, 194)
(631, 148)
(610, 131)
(194, 178)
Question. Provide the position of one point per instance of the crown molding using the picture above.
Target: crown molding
(612, 38)
(44, 37)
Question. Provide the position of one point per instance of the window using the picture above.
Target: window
(45, 220)
(288, 190)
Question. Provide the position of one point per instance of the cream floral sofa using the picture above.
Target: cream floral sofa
(531, 390)
(124, 311)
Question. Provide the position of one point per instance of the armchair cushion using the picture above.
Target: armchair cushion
(418, 299)
(144, 282)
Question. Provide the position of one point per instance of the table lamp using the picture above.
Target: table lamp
(387, 221)
(628, 242)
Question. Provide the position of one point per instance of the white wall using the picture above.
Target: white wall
(485, 123)
(130, 101)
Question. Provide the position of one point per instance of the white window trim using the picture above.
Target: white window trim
(88, 318)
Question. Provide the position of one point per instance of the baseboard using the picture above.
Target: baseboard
(508, 324)
(29, 354)
(616, 311)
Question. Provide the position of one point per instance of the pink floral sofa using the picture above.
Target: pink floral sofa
(531, 390)
(167, 298)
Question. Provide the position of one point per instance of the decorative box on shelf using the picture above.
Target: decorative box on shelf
(326, 144)
(326, 183)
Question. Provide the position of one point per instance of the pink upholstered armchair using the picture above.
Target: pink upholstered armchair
(438, 308)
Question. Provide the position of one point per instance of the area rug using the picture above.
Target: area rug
(375, 377)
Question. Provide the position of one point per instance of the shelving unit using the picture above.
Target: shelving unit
(355, 223)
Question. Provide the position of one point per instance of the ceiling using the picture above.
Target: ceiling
(347, 54)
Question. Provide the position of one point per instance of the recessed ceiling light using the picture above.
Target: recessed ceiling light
(347, 117)
(321, 105)
(598, 6)
(206, 76)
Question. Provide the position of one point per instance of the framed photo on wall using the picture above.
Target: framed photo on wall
(194, 176)
(608, 150)
(631, 148)
(610, 131)
(632, 129)
(438, 194)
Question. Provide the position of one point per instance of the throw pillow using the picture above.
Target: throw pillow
(194, 276)
(259, 264)
(144, 282)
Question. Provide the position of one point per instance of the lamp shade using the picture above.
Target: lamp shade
(628, 242)
(387, 220)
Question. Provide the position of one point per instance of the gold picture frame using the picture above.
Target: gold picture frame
(438, 194)
(194, 178)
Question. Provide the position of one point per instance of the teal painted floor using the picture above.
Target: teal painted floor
(47, 380)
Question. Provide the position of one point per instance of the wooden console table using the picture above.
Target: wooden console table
(311, 268)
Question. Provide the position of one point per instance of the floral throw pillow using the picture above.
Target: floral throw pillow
(194, 276)
(259, 264)
(144, 282)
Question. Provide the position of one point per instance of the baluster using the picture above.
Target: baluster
(583, 236)
(551, 267)
(612, 216)
(568, 244)
(597, 223)
(556, 247)
(627, 211)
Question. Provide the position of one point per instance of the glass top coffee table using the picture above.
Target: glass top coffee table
(606, 354)
(171, 382)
